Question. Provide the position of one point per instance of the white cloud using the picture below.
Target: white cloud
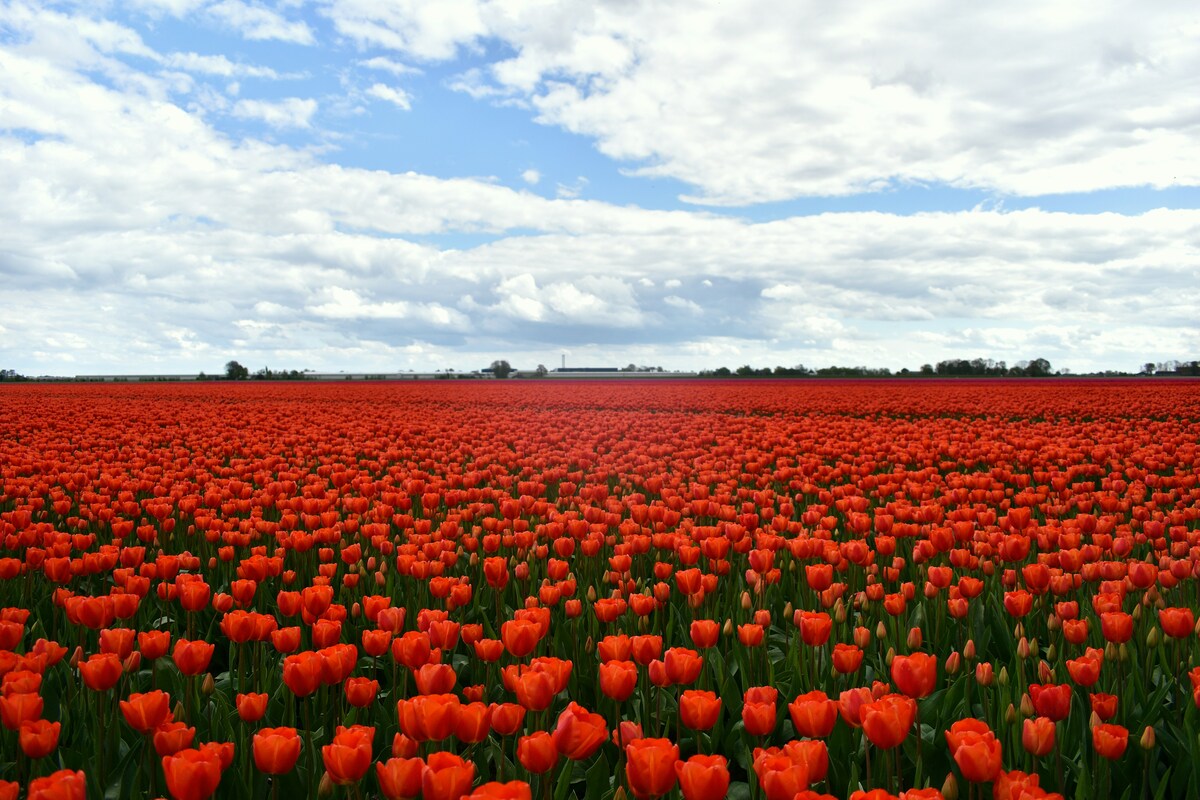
(531, 176)
(122, 207)
(389, 65)
(763, 100)
(257, 23)
(216, 65)
(390, 94)
(291, 112)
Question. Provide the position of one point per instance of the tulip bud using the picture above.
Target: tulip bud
(643, 624)
(952, 662)
(591, 594)
(179, 712)
(1002, 678)
(862, 637)
(589, 645)
(1027, 709)
(914, 639)
(379, 579)
(356, 610)
(326, 787)
(787, 610)
(1018, 631)
(1147, 740)
(891, 656)
(76, 657)
(984, 674)
(839, 612)
(1110, 652)
(881, 630)
(1123, 652)
(1094, 720)
(1010, 715)
(208, 685)
(1023, 648)
(620, 794)
(1045, 672)
(930, 590)
(1137, 613)
(1052, 652)
(212, 562)
(969, 650)
(473, 560)
(1054, 623)
(1152, 638)
(727, 628)
(746, 601)
(950, 787)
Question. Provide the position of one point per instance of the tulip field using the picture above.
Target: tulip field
(541, 589)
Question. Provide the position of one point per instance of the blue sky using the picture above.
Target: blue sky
(361, 185)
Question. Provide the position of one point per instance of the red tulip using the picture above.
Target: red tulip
(813, 714)
(348, 757)
(400, 778)
(146, 712)
(650, 767)
(1051, 700)
(703, 777)
(975, 749)
(1110, 741)
(579, 733)
(915, 675)
(888, 720)
(38, 738)
(1037, 736)
(64, 784)
(101, 671)
(446, 777)
(1178, 623)
(251, 707)
(276, 750)
(192, 657)
(618, 679)
(698, 709)
(495, 790)
(537, 752)
(192, 774)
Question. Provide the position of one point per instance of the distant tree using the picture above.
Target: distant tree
(1148, 368)
(11, 375)
(501, 368)
(542, 371)
(1039, 368)
(236, 372)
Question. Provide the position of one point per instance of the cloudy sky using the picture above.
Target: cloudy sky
(407, 184)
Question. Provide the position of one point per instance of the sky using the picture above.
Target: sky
(389, 185)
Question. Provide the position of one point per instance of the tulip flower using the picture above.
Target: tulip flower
(1037, 736)
(65, 784)
(38, 738)
(915, 675)
(495, 790)
(192, 657)
(579, 733)
(703, 777)
(101, 671)
(618, 679)
(446, 777)
(348, 757)
(146, 712)
(537, 752)
(251, 707)
(400, 778)
(813, 714)
(650, 767)
(276, 750)
(1110, 741)
(698, 709)
(192, 774)
(888, 720)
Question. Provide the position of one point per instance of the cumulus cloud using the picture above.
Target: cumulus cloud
(257, 22)
(139, 237)
(391, 94)
(291, 112)
(835, 100)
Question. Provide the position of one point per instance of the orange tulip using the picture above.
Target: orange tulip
(704, 633)
(64, 784)
(1051, 700)
(1110, 741)
(251, 707)
(887, 721)
(698, 709)
(537, 752)
(846, 658)
(813, 714)
(276, 750)
(360, 692)
(495, 790)
(507, 718)
(146, 712)
(758, 710)
(400, 778)
(348, 757)
(703, 777)
(683, 665)
(915, 675)
(192, 657)
(101, 671)
(302, 673)
(1178, 623)
(975, 749)
(429, 717)
(446, 777)
(520, 637)
(1037, 736)
(192, 774)
(1116, 626)
(474, 721)
(579, 733)
(618, 679)
(650, 767)
(17, 709)
(171, 737)
(38, 738)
